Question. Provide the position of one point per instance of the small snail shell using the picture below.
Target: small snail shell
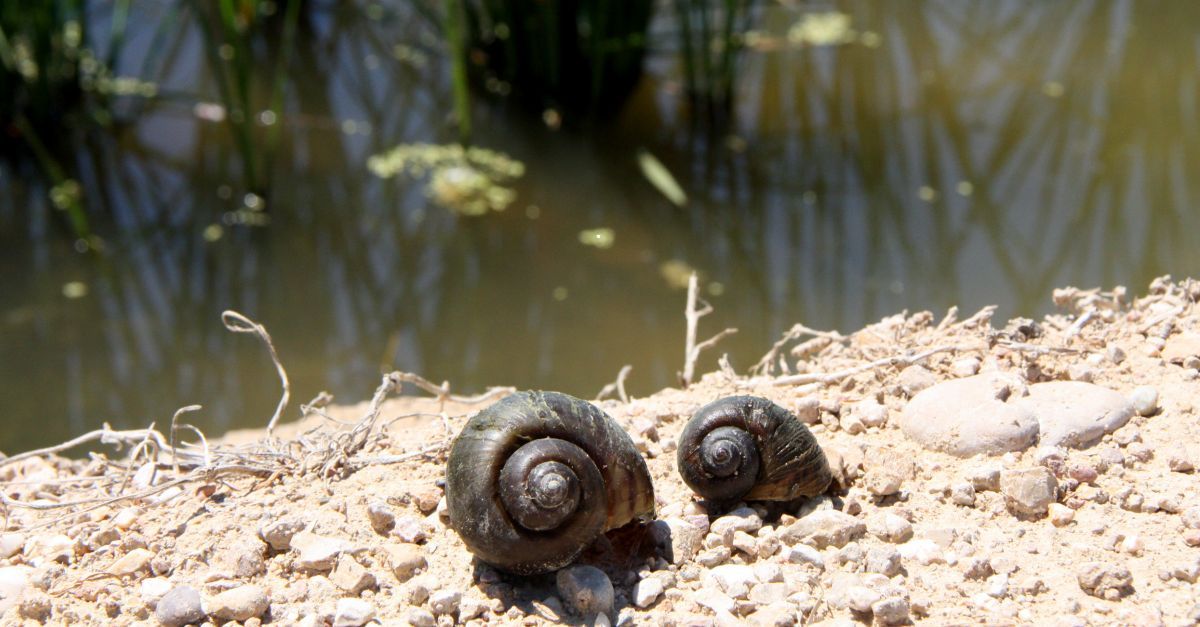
(748, 448)
(532, 480)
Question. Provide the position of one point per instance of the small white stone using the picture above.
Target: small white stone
(152, 589)
(1144, 399)
(1179, 459)
(1081, 372)
(733, 579)
(404, 560)
(647, 591)
(11, 543)
(824, 528)
(741, 519)
(315, 552)
(871, 413)
(679, 539)
(744, 542)
(884, 560)
(963, 493)
(965, 367)
(891, 528)
(1060, 515)
(421, 617)
(125, 518)
(381, 517)
(351, 612)
(768, 572)
(997, 586)
(54, 547)
(714, 557)
(1133, 544)
(240, 604)
(851, 423)
(714, 600)
(410, 529)
(445, 601)
(861, 598)
(984, 477)
(132, 562)
(804, 554)
(891, 611)
(470, 607)
(924, 552)
(1028, 491)
(279, 533)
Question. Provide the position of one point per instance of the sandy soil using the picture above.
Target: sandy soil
(300, 543)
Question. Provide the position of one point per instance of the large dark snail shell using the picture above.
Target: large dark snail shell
(748, 448)
(534, 479)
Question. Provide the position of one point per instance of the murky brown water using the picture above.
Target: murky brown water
(943, 153)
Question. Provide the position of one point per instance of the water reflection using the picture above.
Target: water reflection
(969, 153)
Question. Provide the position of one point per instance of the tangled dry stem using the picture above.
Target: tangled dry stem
(169, 463)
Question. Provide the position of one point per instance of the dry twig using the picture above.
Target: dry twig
(764, 365)
(617, 387)
(239, 323)
(692, 350)
(826, 378)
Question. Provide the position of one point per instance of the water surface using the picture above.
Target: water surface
(946, 153)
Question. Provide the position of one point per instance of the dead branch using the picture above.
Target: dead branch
(175, 426)
(1037, 349)
(834, 377)
(980, 318)
(950, 319)
(1078, 325)
(691, 350)
(442, 392)
(363, 462)
(105, 435)
(764, 365)
(726, 367)
(617, 387)
(239, 323)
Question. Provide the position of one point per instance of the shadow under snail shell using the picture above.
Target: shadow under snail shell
(748, 448)
(532, 480)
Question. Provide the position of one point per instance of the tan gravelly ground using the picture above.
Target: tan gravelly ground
(317, 519)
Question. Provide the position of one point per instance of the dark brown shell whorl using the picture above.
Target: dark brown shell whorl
(535, 478)
(748, 448)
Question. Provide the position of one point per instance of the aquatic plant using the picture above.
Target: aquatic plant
(470, 181)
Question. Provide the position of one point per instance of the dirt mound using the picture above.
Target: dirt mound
(336, 519)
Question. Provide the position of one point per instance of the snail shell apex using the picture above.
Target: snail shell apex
(749, 448)
(533, 479)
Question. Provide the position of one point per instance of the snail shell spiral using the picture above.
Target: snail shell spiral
(536, 477)
(748, 448)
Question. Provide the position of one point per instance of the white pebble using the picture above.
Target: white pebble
(125, 518)
(353, 613)
(647, 591)
(1144, 399)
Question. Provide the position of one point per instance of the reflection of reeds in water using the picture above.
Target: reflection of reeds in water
(819, 195)
(576, 56)
(976, 146)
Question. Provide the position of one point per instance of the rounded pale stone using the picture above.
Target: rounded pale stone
(970, 416)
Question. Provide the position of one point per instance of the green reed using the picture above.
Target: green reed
(51, 79)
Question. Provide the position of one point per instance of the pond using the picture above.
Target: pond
(877, 157)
